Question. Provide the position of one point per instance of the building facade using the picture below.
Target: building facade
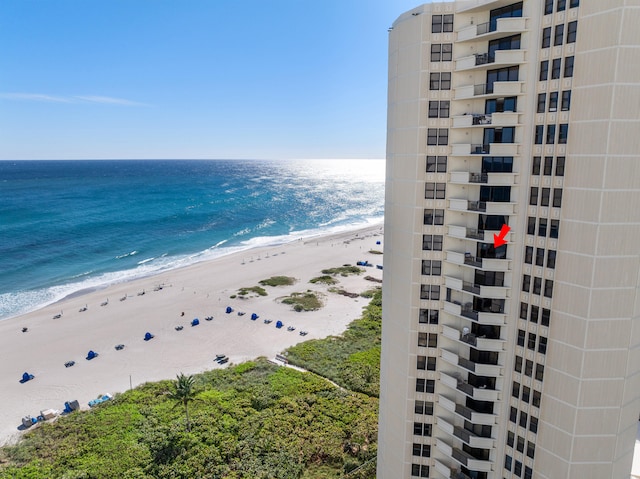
(523, 360)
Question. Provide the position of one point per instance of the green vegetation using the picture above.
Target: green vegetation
(343, 292)
(254, 420)
(351, 360)
(371, 278)
(184, 393)
(344, 270)
(326, 279)
(307, 301)
(369, 293)
(278, 281)
(257, 290)
(375, 251)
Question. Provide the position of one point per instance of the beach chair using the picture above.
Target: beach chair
(68, 364)
(26, 377)
(148, 336)
(195, 322)
(91, 355)
(254, 316)
(119, 347)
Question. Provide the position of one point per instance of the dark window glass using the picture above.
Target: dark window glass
(421, 364)
(531, 342)
(551, 259)
(533, 196)
(526, 393)
(572, 29)
(518, 364)
(539, 256)
(513, 414)
(553, 101)
(521, 337)
(561, 5)
(557, 197)
(558, 35)
(436, 164)
(528, 255)
(443, 136)
(548, 165)
(428, 316)
(528, 472)
(551, 134)
(563, 133)
(544, 70)
(555, 68)
(537, 285)
(511, 438)
(497, 164)
(507, 461)
(415, 469)
(574, 3)
(436, 52)
(436, 24)
(535, 312)
(445, 81)
(546, 37)
(560, 166)
(444, 109)
(535, 168)
(542, 227)
(554, 229)
(438, 217)
(566, 100)
(545, 197)
(542, 101)
(528, 368)
(548, 288)
(523, 310)
(517, 469)
(520, 443)
(420, 384)
(440, 191)
(431, 363)
(432, 136)
(542, 345)
(548, 7)
(546, 316)
(433, 109)
(526, 283)
(447, 52)
(568, 67)
(539, 134)
(539, 372)
(533, 422)
(447, 23)
(434, 81)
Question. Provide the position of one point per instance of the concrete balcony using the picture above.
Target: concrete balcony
(486, 31)
(466, 413)
(478, 394)
(469, 339)
(481, 317)
(485, 61)
(470, 120)
(493, 149)
(462, 232)
(492, 179)
(465, 436)
(470, 462)
(498, 89)
(445, 471)
(493, 292)
(489, 264)
(491, 370)
(485, 207)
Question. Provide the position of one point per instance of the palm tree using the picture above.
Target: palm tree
(184, 393)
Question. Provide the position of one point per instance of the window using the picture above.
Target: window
(423, 450)
(566, 100)
(428, 340)
(520, 443)
(559, 34)
(542, 345)
(548, 165)
(517, 469)
(546, 316)
(420, 429)
(551, 134)
(545, 197)
(423, 407)
(518, 364)
(515, 389)
(562, 4)
(507, 461)
(572, 30)
(531, 223)
(500, 105)
(431, 268)
(553, 101)
(551, 259)
(501, 74)
(432, 242)
(546, 37)
(437, 136)
(440, 81)
(539, 372)
(441, 52)
(542, 101)
(528, 368)
(431, 363)
(568, 67)
(430, 291)
(523, 310)
(563, 133)
(510, 438)
(548, 7)
(531, 342)
(419, 470)
(574, 3)
(554, 229)
(521, 336)
(536, 402)
(557, 197)
(539, 134)
(535, 312)
(513, 414)
(441, 23)
(528, 472)
(542, 227)
(433, 217)
(537, 285)
(539, 257)
(555, 68)
(528, 256)
(544, 70)
(425, 385)
(434, 191)
(535, 166)
(526, 394)
(428, 316)
(533, 422)
(439, 109)
(548, 288)
(560, 166)
(437, 164)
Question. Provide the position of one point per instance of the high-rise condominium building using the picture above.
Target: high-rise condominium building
(522, 360)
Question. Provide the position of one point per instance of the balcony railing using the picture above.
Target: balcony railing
(474, 234)
(459, 475)
(481, 119)
(472, 260)
(480, 149)
(478, 178)
(470, 287)
(477, 206)
(468, 312)
(486, 27)
(469, 338)
(484, 58)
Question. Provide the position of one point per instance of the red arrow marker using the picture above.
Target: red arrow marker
(498, 240)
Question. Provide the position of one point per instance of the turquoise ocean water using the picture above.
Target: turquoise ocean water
(66, 226)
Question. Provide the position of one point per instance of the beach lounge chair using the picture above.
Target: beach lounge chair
(91, 355)
(195, 322)
(148, 336)
(119, 347)
(68, 364)
(379, 266)
(291, 328)
(241, 313)
(179, 328)
(209, 318)
(224, 361)
(26, 377)
(279, 324)
(267, 321)
(254, 316)
(229, 310)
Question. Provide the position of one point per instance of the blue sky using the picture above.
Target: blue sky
(194, 78)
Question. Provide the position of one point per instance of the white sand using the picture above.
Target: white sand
(199, 290)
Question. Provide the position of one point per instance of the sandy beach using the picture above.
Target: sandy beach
(198, 291)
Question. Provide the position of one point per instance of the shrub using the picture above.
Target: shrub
(278, 281)
(326, 279)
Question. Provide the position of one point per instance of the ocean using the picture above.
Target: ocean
(67, 226)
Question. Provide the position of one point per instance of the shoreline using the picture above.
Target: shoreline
(200, 290)
(371, 223)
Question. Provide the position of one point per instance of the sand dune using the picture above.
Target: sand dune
(198, 291)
